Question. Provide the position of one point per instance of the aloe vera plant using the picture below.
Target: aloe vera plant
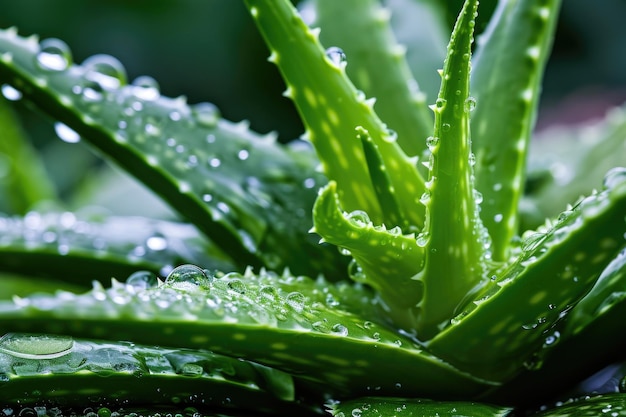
(387, 263)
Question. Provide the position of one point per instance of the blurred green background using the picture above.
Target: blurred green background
(209, 50)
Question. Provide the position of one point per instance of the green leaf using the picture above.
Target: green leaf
(506, 79)
(377, 66)
(240, 188)
(285, 322)
(384, 259)
(331, 108)
(23, 180)
(566, 162)
(453, 233)
(557, 266)
(409, 407)
(421, 26)
(59, 244)
(140, 375)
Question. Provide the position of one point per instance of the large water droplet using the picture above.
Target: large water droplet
(33, 346)
(188, 277)
(358, 217)
(336, 56)
(65, 133)
(146, 88)
(54, 55)
(105, 72)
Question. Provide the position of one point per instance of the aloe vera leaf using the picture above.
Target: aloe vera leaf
(385, 259)
(85, 369)
(421, 26)
(377, 66)
(566, 161)
(557, 266)
(58, 244)
(287, 331)
(331, 109)
(23, 178)
(244, 190)
(410, 407)
(453, 232)
(591, 338)
(611, 404)
(506, 79)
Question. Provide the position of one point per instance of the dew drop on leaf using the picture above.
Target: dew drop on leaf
(141, 280)
(105, 71)
(65, 133)
(614, 177)
(472, 159)
(440, 103)
(236, 285)
(54, 55)
(432, 142)
(336, 56)
(358, 217)
(146, 88)
(296, 301)
(32, 346)
(206, 114)
(156, 243)
(340, 329)
(10, 93)
(470, 104)
(188, 275)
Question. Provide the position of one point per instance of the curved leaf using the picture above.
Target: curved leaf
(243, 190)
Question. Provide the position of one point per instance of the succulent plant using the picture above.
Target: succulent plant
(389, 262)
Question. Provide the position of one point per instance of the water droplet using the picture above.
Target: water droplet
(105, 72)
(207, 114)
(440, 103)
(445, 127)
(189, 276)
(11, 93)
(340, 329)
(425, 198)
(336, 56)
(236, 285)
(54, 55)
(552, 340)
(65, 133)
(141, 280)
(359, 217)
(145, 88)
(309, 183)
(432, 142)
(33, 346)
(478, 197)
(422, 239)
(614, 177)
(296, 301)
(269, 294)
(243, 155)
(156, 243)
(376, 336)
(470, 104)
(472, 159)
(498, 218)
(357, 412)
(391, 136)
(215, 162)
